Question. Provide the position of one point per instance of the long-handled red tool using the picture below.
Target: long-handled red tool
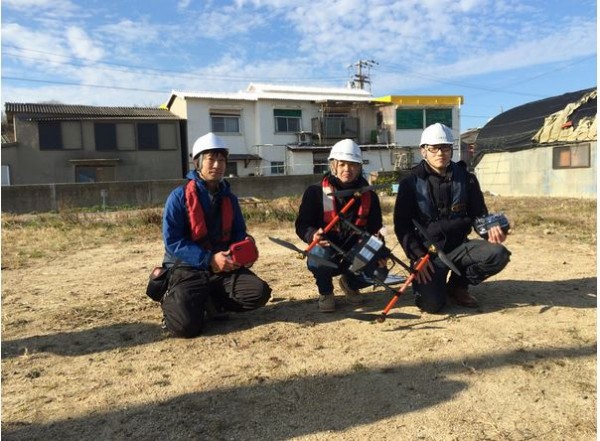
(431, 250)
(405, 285)
(355, 196)
(333, 221)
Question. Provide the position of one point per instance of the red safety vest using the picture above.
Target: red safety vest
(195, 212)
(330, 210)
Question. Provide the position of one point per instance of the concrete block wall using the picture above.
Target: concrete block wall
(56, 197)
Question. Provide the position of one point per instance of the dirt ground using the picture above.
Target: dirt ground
(84, 356)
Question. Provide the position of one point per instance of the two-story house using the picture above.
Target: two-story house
(270, 129)
(289, 130)
(59, 143)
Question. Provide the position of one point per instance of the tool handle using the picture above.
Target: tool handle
(332, 223)
(408, 281)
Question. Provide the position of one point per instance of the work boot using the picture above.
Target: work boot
(352, 295)
(462, 297)
(326, 303)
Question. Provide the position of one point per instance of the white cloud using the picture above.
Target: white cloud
(53, 8)
(226, 22)
(32, 46)
(414, 41)
(547, 49)
(82, 45)
(126, 30)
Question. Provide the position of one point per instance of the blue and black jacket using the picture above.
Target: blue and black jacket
(177, 227)
(445, 205)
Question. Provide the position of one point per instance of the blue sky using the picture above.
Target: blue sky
(498, 54)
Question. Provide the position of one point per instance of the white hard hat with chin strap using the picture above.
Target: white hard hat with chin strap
(210, 141)
(346, 150)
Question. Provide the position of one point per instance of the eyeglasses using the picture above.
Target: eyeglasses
(437, 148)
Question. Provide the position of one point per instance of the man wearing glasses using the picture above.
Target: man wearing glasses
(445, 198)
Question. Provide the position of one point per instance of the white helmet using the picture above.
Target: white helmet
(436, 134)
(346, 150)
(210, 141)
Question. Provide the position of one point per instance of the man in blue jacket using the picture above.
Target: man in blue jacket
(201, 220)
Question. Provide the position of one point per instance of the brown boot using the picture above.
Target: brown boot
(462, 297)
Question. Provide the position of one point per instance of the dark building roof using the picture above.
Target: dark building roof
(58, 111)
(516, 128)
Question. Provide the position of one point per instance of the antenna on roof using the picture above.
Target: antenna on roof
(362, 77)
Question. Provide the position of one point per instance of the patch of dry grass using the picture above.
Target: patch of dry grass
(574, 219)
(36, 236)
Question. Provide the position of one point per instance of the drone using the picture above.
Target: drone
(365, 255)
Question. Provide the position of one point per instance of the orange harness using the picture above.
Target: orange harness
(330, 210)
(199, 231)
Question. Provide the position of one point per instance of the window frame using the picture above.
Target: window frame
(284, 118)
(226, 117)
(105, 134)
(50, 135)
(442, 115)
(105, 168)
(407, 118)
(143, 141)
(410, 119)
(277, 168)
(559, 153)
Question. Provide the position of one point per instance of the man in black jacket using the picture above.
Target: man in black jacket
(445, 199)
(318, 208)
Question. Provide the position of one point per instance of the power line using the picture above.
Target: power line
(66, 83)
(500, 89)
(83, 62)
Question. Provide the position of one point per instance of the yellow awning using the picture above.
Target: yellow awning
(422, 100)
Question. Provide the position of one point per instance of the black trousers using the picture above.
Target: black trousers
(476, 259)
(189, 289)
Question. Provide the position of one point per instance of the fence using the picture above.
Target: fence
(57, 197)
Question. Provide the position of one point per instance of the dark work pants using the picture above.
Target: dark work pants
(476, 260)
(324, 275)
(184, 304)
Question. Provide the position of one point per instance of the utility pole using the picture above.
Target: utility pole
(362, 76)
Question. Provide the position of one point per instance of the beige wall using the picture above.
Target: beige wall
(530, 173)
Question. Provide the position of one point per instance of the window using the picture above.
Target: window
(105, 136)
(421, 118)
(288, 120)
(320, 163)
(87, 173)
(277, 168)
(443, 116)
(225, 123)
(409, 119)
(231, 169)
(148, 136)
(576, 156)
(5, 175)
(50, 134)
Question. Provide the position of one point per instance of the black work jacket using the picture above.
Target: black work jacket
(310, 214)
(446, 230)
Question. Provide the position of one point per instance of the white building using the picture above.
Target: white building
(279, 130)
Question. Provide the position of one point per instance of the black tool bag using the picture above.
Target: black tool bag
(158, 282)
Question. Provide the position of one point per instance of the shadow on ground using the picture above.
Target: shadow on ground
(493, 296)
(291, 408)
